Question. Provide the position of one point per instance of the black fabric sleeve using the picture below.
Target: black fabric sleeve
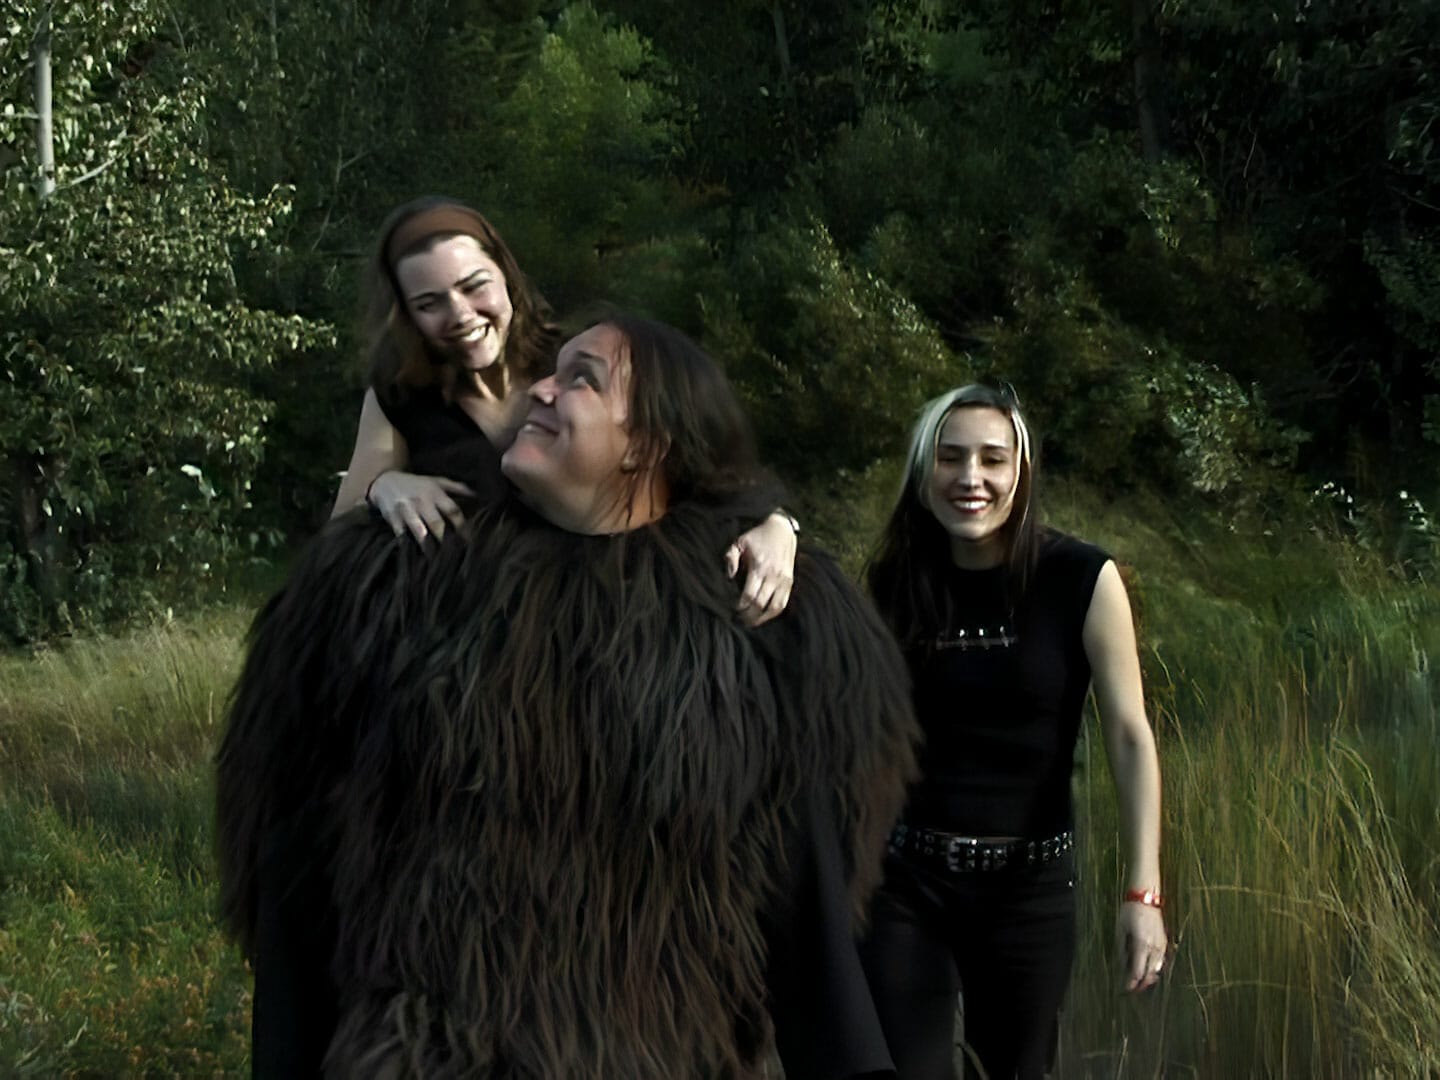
(294, 1012)
(826, 1025)
(844, 698)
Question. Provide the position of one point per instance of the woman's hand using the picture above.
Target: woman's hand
(1140, 931)
(768, 552)
(421, 504)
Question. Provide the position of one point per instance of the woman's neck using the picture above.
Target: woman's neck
(491, 383)
(498, 417)
(985, 553)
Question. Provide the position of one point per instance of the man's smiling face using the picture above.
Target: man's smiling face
(571, 458)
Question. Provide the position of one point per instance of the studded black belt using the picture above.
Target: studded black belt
(965, 854)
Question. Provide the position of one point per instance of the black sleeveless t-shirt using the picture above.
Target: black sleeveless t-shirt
(444, 441)
(1000, 698)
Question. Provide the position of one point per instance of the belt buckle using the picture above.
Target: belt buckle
(954, 852)
(965, 855)
(997, 856)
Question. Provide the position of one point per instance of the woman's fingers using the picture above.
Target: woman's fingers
(732, 561)
(410, 515)
(1143, 943)
(1147, 961)
(774, 606)
(454, 487)
(420, 505)
(764, 550)
(450, 510)
(766, 594)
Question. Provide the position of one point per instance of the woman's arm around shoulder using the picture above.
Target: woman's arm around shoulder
(1109, 638)
(768, 553)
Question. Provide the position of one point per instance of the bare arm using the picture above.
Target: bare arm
(422, 504)
(378, 448)
(1109, 638)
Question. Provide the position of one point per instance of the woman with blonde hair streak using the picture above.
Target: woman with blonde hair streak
(1005, 626)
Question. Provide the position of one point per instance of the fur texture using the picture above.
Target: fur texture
(551, 782)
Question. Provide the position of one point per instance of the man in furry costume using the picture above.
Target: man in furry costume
(533, 803)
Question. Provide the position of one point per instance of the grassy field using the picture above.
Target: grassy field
(1296, 711)
(110, 961)
(1290, 684)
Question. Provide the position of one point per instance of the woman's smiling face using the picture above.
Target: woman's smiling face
(458, 299)
(972, 490)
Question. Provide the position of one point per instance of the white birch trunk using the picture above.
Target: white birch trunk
(44, 106)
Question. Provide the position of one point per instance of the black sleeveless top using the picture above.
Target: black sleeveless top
(444, 441)
(1000, 699)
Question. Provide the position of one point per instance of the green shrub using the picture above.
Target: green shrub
(131, 435)
(831, 361)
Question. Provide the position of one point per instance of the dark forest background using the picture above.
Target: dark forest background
(1201, 237)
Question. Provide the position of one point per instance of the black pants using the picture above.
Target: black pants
(1005, 940)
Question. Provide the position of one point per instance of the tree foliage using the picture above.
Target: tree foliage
(832, 361)
(1319, 141)
(1201, 237)
(590, 132)
(131, 436)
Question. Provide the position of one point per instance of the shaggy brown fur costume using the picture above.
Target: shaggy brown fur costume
(557, 799)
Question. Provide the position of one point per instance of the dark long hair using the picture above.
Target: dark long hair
(907, 574)
(398, 356)
(686, 425)
(684, 412)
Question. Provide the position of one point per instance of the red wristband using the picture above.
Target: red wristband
(1148, 897)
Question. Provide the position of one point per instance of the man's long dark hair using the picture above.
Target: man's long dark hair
(907, 574)
(683, 411)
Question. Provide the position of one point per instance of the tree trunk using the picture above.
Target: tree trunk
(44, 106)
(1149, 100)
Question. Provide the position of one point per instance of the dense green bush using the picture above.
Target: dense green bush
(832, 361)
(131, 433)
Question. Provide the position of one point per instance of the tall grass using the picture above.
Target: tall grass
(110, 960)
(1296, 712)
(1303, 947)
(1293, 694)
